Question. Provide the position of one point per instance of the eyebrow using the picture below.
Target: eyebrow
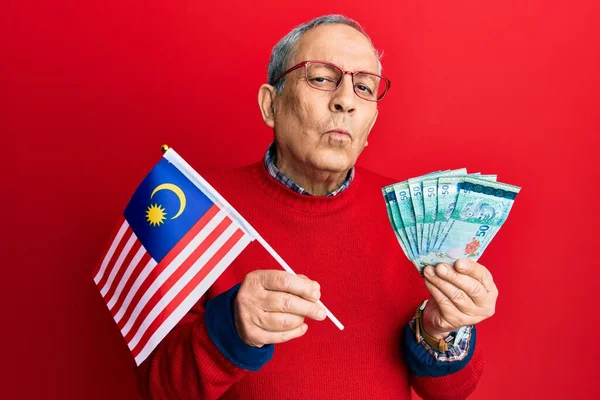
(339, 66)
(372, 78)
(364, 70)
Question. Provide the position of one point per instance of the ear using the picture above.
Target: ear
(266, 103)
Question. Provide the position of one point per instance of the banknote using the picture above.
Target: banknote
(417, 195)
(446, 215)
(447, 192)
(481, 208)
(407, 214)
(416, 198)
(429, 210)
(394, 216)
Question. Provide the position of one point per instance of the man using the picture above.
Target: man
(327, 219)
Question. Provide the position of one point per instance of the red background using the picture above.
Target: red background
(90, 91)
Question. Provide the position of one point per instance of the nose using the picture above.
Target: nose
(343, 99)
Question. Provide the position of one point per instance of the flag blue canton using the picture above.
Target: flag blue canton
(164, 208)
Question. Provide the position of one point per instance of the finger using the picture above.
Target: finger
(478, 272)
(471, 286)
(278, 321)
(450, 291)
(282, 281)
(449, 312)
(280, 337)
(292, 304)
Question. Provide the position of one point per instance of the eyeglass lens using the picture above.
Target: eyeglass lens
(327, 77)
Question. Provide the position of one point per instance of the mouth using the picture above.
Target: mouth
(340, 134)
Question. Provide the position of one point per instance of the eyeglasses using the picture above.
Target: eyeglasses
(325, 76)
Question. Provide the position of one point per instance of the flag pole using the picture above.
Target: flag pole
(174, 158)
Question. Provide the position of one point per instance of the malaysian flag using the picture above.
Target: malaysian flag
(176, 237)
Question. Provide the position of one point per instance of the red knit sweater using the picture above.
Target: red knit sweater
(347, 245)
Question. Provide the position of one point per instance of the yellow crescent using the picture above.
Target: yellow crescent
(178, 192)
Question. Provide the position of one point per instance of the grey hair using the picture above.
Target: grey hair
(284, 49)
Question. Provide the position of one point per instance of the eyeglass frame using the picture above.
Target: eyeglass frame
(339, 82)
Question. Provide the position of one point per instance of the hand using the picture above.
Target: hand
(271, 305)
(461, 295)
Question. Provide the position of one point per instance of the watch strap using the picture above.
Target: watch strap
(439, 345)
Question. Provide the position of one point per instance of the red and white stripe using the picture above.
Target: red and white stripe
(147, 298)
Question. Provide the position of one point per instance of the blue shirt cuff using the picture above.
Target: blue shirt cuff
(423, 363)
(220, 325)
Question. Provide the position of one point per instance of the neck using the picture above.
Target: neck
(314, 181)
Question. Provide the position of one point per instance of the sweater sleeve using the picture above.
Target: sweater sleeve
(442, 380)
(202, 356)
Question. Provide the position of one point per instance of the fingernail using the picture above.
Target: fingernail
(304, 327)
(321, 315)
(462, 265)
(316, 294)
(442, 269)
(429, 271)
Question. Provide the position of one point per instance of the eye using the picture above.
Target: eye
(364, 89)
(321, 79)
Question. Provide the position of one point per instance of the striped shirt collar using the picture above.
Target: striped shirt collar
(287, 182)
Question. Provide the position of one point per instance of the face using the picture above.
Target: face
(320, 130)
